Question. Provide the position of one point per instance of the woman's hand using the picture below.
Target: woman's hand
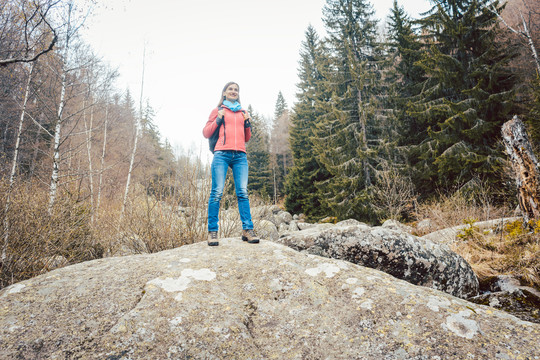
(220, 117)
(247, 118)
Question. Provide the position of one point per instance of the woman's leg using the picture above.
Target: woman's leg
(220, 165)
(240, 170)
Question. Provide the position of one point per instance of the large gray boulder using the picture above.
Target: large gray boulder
(405, 256)
(243, 301)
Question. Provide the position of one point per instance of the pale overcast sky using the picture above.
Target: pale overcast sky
(194, 47)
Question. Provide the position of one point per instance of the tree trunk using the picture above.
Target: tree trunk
(14, 165)
(59, 117)
(103, 151)
(36, 148)
(525, 166)
(88, 130)
(134, 150)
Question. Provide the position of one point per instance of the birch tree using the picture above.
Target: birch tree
(72, 26)
(524, 20)
(103, 152)
(135, 141)
(60, 112)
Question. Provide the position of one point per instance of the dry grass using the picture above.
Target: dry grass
(453, 210)
(39, 241)
(512, 250)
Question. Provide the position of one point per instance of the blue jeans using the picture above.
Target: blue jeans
(237, 161)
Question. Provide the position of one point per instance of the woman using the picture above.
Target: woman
(230, 151)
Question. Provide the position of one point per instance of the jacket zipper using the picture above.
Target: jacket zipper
(235, 139)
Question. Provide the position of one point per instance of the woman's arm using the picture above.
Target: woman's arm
(211, 124)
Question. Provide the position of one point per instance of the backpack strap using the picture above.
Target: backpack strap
(223, 123)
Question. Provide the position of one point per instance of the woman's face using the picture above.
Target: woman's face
(231, 93)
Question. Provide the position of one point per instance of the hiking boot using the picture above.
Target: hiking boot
(212, 238)
(249, 236)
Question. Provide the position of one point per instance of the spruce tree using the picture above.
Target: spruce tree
(405, 49)
(281, 106)
(302, 193)
(348, 137)
(466, 96)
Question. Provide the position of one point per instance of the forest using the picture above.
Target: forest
(396, 119)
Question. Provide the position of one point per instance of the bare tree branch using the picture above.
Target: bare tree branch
(30, 53)
(523, 33)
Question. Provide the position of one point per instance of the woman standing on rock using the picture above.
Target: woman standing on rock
(233, 124)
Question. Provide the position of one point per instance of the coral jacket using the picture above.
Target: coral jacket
(232, 136)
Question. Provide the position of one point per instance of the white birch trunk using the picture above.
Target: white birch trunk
(36, 148)
(525, 33)
(103, 152)
(134, 151)
(14, 165)
(88, 131)
(531, 43)
(58, 127)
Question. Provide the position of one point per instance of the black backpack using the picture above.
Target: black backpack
(212, 141)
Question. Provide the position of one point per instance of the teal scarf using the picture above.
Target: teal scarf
(232, 106)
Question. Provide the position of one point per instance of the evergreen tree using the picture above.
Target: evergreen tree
(406, 50)
(281, 106)
(302, 193)
(260, 175)
(349, 135)
(533, 124)
(465, 98)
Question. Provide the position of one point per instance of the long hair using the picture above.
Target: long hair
(222, 98)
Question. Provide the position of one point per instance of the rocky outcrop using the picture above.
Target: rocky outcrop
(506, 293)
(416, 260)
(242, 301)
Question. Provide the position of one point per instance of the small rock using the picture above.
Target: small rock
(305, 225)
(275, 209)
(396, 225)
(425, 226)
(293, 226)
(349, 222)
(285, 216)
(267, 230)
(283, 228)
